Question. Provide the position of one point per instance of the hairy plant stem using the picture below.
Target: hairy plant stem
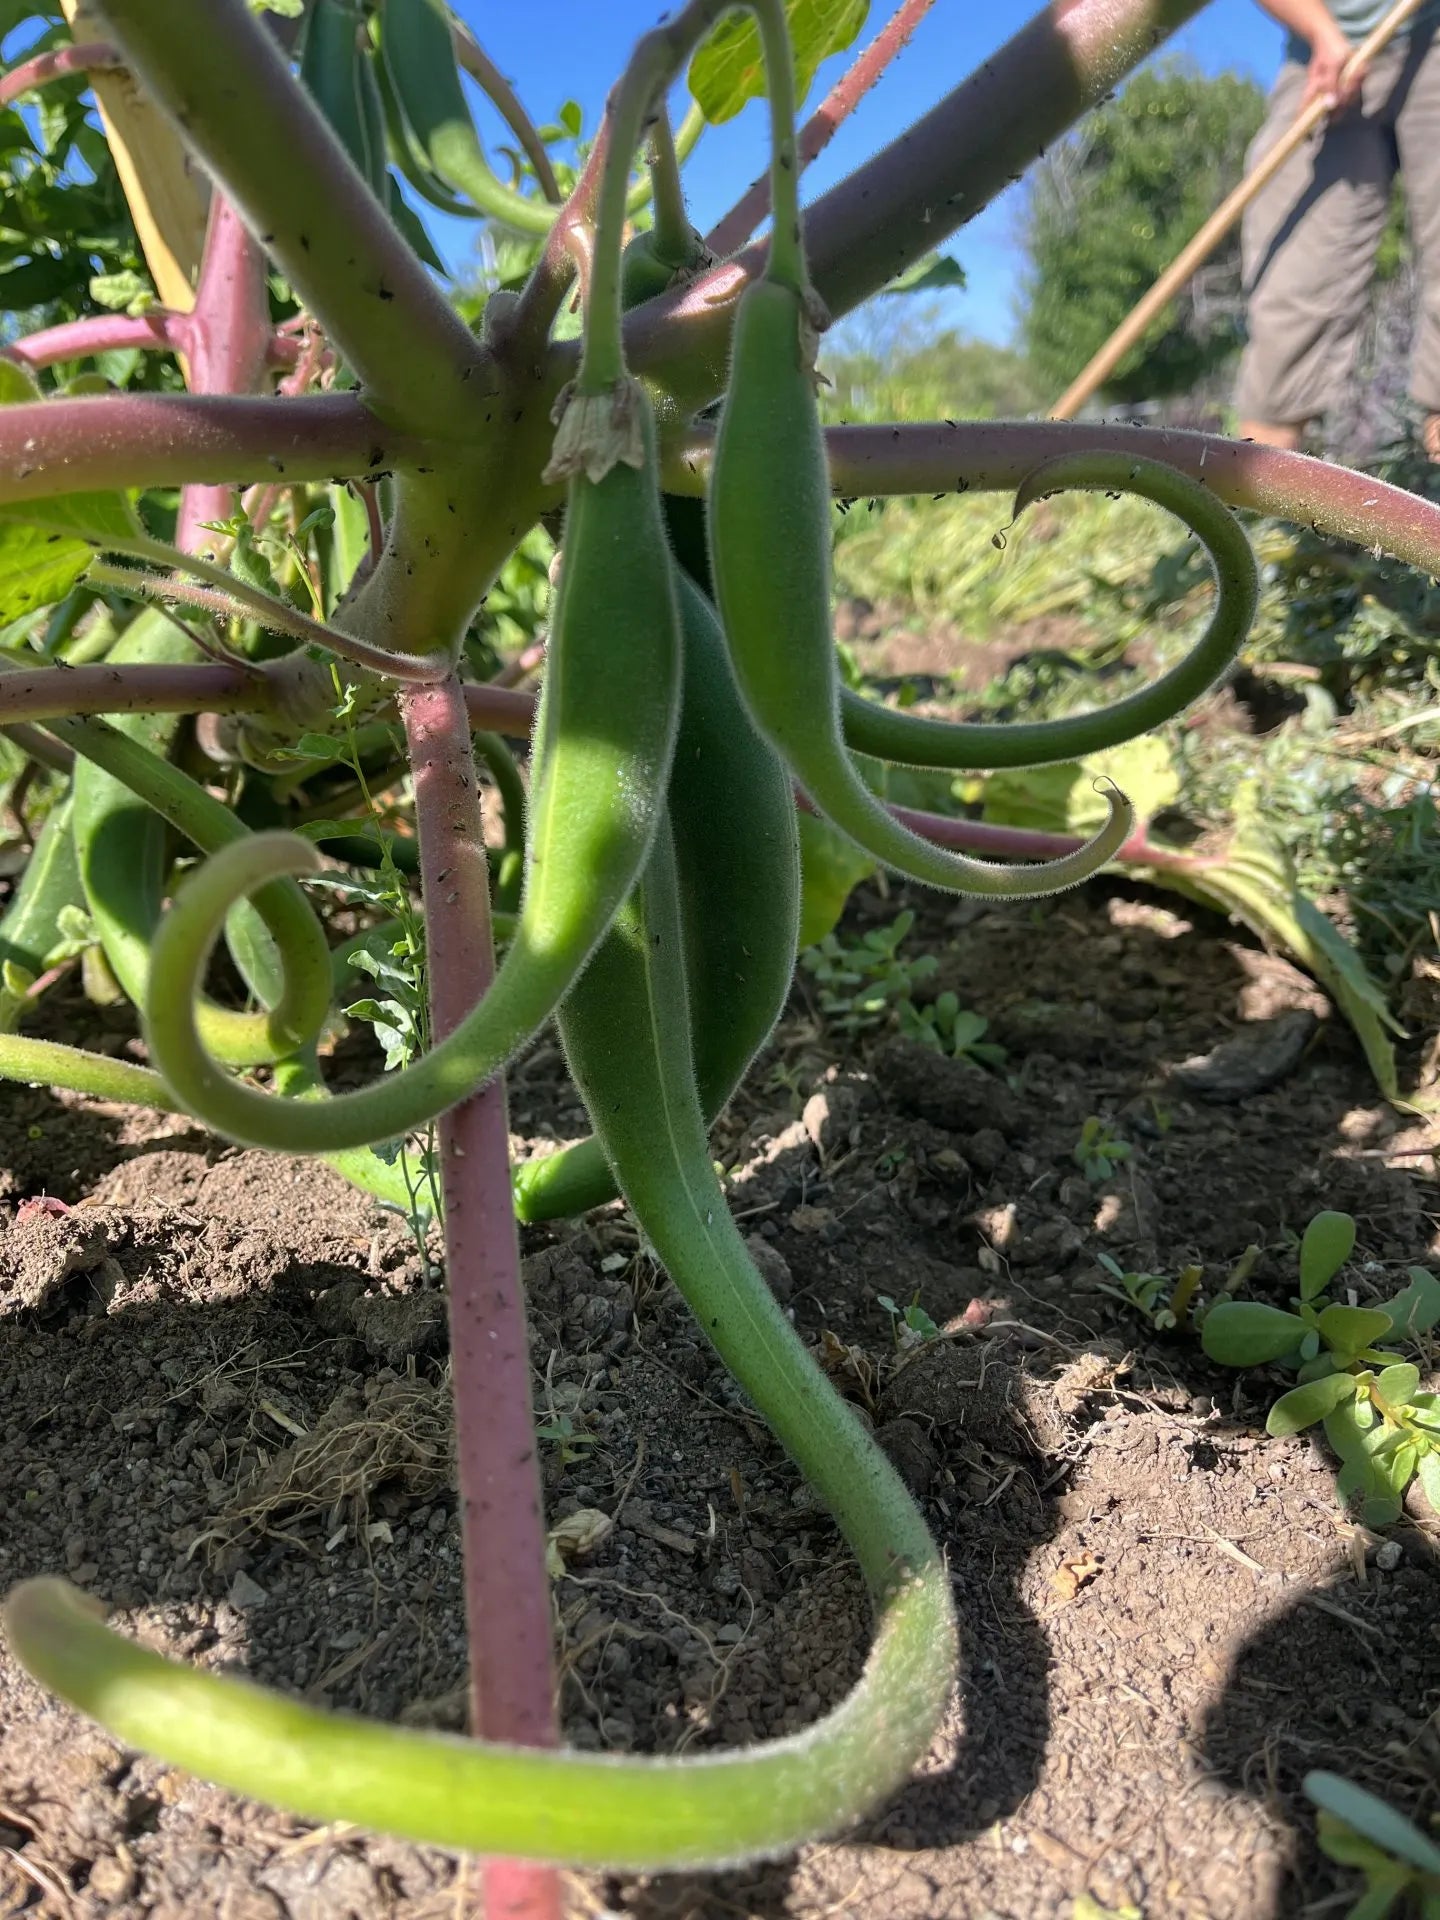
(734, 228)
(672, 220)
(60, 63)
(250, 122)
(914, 193)
(167, 439)
(227, 342)
(653, 64)
(44, 693)
(997, 455)
(159, 330)
(228, 594)
(507, 1593)
(497, 89)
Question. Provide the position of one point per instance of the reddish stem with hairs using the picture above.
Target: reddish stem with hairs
(733, 229)
(502, 1521)
(60, 63)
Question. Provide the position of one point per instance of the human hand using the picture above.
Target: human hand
(1325, 78)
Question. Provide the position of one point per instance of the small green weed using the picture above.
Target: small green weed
(950, 1028)
(1151, 1294)
(912, 1325)
(869, 983)
(1099, 1151)
(1384, 1428)
(562, 1432)
(1358, 1829)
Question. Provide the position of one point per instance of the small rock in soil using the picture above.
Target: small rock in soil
(774, 1267)
(1261, 1054)
(910, 1451)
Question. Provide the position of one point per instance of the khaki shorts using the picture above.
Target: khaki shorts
(1309, 238)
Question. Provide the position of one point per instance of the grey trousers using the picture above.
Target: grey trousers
(1308, 239)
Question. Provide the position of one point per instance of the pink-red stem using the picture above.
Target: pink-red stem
(736, 227)
(61, 63)
(47, 693)
(167, 439)
(507, 1595)
(228, 345)
(159, 330)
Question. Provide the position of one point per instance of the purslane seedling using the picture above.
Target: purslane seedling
(1365, 1392)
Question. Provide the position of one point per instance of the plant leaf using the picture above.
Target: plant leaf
(933, 274)
(1374, 1818)
(727, 70)
(1303, 1406)
(1428, 1472)
(1328, 1243)
(1416, 1308)
(831, 866)
(1350, 1429)
(37, 568)
(1247, 1333)
(1351, 1329)
(1396, 1385)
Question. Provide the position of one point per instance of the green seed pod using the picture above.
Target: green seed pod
(734, 825)
(918, 742)
(335, 70)
(769, 525)
(123, 849)
(605, 736)
(433, 137)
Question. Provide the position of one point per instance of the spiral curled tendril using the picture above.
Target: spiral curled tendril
(913, 741)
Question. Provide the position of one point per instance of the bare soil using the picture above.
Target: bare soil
(224, 1413)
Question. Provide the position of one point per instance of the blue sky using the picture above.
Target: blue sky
(555, 50)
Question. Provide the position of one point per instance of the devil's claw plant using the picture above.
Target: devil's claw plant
(690, 682)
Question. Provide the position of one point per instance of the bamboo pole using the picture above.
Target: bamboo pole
(1219, 224)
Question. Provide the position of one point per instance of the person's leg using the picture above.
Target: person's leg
(1308, 243)
(1417, 134)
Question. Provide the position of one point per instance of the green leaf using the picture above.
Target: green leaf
(933, 274)
(1257, 884)
(728, 70)
(831, 866)
(16, 384)
(37, 568)
(1416, 1308)
(1351, 1429)
(126, 292)
(1350, 1329)
(1303, 1406)
(1374, 1818)
(1328, 1243)
(1396, 1385)
(1428, 1472)
(1063, 798)
(1247, 1333)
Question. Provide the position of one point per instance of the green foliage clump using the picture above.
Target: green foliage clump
(1110, 207)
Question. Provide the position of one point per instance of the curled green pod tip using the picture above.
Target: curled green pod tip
(604, 1811)
(604, 740)
(769, 530)
(913, 741)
